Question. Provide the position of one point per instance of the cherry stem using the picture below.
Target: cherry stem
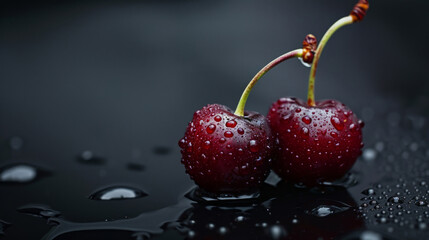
(337, 25)
(239, 111)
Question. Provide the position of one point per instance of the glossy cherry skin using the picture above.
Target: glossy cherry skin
(314, 144)
(226, 153)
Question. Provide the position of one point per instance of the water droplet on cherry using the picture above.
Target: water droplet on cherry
(211, 128)
(253, 146)
(231, 123)
(240, 131)
(306, 119)
(337, 123)
(217, 118)
(228, 134)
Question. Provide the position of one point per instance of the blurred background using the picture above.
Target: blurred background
(121, 80)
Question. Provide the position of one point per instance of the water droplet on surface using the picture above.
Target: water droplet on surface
(369, 154)
(211, 226)
(206, 145)
(306, 120)
(21, 173)
(228, 134)
(182, 143)
(223, 230)
(117, 193)
(217, 118)
(368, 191)
(421, 203)
(304, 63)
(239, 219)
(395, 199)
(88, 157)
(305, 132)
(240, 131)
(39, 211)
(337, 123)
(326, 210)
(211, 128)
(231, 123)
(253, 146)
(277, 232)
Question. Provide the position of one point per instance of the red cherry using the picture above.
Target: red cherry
(319, 143)
(226, 153)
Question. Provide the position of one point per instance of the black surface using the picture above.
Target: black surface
(122, 79)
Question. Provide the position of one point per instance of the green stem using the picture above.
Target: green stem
(337, 25)
(239, 111)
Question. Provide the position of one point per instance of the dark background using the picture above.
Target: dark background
(123, 78)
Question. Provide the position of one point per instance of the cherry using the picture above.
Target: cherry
(227, 153)
(316, 141)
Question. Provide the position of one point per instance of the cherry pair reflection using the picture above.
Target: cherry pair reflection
(303, 142)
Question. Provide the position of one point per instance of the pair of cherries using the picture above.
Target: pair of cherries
(303, 142)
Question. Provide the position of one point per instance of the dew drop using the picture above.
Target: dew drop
(217, 118)
(253, 146)
(211, 128)
(211, 226)
(304, 63)
(326, 210)
(305, 132)
(395, 199)
(206, 144)
(228, 134)
(231, 123)
(368, 191)
(240, 131)
(223, 230)
(117, 193)
(421, 203)
(189, 147)
(182, 143)
(306, 119)
(337, 123)
(369, 154)
(334, 134)
(277, 232)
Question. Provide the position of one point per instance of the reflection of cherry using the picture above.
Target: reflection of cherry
(317, 141)
(290, 215)
(327, 213)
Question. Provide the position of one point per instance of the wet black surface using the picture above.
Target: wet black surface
(95, 96)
